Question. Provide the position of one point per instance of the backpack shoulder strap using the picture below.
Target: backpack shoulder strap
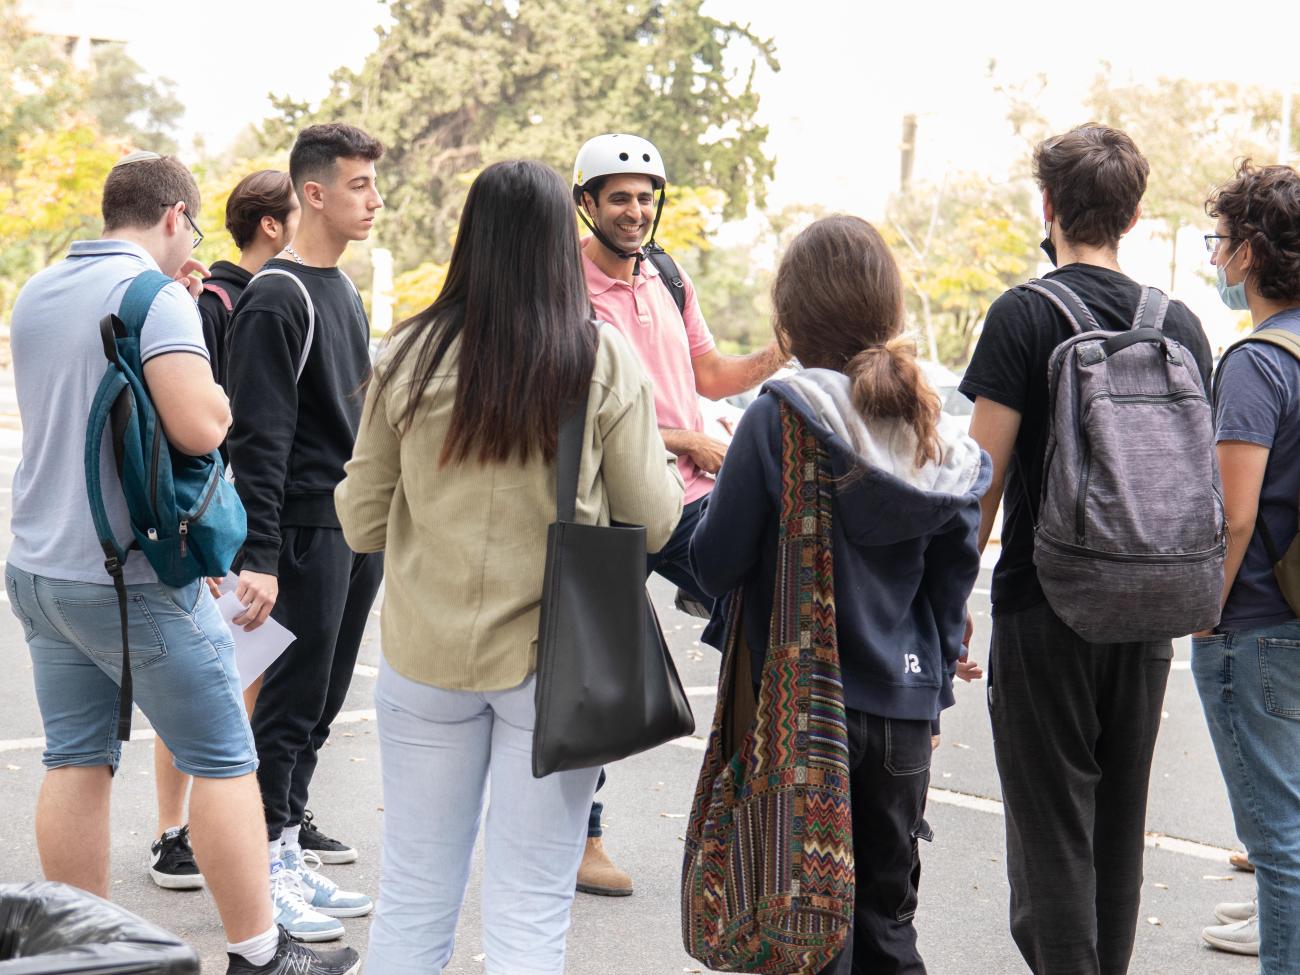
(139, 298)
(1151, 309)
(361, 306)
(670, 273)
(222, 295)
(311, 311)
(1067, 302)
(1278, 337)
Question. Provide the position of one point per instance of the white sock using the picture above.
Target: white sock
(259, 949)
(170, 829)
(273, 850)
(289, 839)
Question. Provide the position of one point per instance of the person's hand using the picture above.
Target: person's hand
(967, 669)
(186, 276)
(707, 453)
(934, 742)
(970, 631)
(1204, 633)
(258, 592)
(214, 585)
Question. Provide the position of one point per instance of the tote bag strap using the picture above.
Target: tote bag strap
(568, 453)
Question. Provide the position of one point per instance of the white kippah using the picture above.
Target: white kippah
(137, 156)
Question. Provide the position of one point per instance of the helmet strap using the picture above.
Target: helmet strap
(636, 255)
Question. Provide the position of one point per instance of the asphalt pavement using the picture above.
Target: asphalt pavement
(962, 918)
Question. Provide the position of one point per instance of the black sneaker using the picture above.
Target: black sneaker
(172, 862)
(291, 958)
(328, 849)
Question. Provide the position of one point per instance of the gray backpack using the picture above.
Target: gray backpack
(1130, 538)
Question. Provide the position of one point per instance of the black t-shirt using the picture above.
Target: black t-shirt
(1010, 367)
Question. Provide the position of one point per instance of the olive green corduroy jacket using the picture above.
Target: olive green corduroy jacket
(465, 543)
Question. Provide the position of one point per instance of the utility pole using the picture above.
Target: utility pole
(1284, 136)
(907, 152)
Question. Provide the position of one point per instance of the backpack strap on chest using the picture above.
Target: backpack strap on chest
(311, 311)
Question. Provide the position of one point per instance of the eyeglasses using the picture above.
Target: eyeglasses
(198, 234)
(1212, 241)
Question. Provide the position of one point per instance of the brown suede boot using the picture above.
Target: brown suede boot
(598, 875)
(1241, 862)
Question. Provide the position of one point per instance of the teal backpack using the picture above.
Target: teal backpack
(186, 518)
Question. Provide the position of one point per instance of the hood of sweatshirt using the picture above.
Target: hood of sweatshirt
(227, 272)
(883, 497)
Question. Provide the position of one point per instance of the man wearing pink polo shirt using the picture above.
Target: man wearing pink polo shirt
(618, 185)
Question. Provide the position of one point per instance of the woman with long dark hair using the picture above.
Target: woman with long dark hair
(905, 483)
(454, 477)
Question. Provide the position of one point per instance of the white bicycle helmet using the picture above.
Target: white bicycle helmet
(615, 153)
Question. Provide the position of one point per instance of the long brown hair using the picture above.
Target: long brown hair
(516, 297)
(838, 304)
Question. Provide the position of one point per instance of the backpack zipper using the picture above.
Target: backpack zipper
(203, 506)
(1084, 470)
(153, 466)
(1154, 558)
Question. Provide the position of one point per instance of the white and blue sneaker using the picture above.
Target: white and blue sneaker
(322, 894)
(293, 913)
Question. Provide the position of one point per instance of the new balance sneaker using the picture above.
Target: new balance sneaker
(1241, 938)
(171, 861)
(328, 849)
(292, 958)
(322, 894)
(294, 914)
(1231, 912)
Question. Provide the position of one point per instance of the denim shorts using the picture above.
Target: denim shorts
(182, 668)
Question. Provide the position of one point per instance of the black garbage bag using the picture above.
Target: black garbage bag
(53, 929)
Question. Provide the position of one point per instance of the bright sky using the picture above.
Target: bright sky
(850, 70)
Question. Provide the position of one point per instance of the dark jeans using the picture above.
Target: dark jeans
(889, 761)
(1074, 728)
(326, 591)
(673, 562)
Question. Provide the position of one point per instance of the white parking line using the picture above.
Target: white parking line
(947, 797)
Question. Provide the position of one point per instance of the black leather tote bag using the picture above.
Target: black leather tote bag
(606, 684)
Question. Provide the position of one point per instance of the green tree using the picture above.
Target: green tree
(959, 245)
(1191, 133)
(130, 104)
(456, 84)
(39, 85)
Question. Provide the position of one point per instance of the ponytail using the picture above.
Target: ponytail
(886, 383)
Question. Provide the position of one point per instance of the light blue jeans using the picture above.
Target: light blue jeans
(182, 668)
(439, 750)
(1249, 683)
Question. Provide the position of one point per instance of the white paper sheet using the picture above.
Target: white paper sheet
(254, 651)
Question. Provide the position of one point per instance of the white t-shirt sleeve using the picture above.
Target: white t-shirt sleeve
(172, 325)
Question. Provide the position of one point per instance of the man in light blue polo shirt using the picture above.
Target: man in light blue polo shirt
(182, 655)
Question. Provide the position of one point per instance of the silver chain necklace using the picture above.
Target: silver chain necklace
(294, 254)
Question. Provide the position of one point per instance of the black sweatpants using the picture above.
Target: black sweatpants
(326, 591)
(889, 772)
(1074, 728)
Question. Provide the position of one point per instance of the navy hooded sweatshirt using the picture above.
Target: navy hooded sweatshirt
(905, 542)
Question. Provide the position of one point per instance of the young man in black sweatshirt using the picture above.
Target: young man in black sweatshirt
(297, 352)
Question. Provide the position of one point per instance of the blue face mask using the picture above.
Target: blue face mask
(1233, 295)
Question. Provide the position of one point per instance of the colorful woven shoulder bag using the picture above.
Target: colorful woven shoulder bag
(767, 881)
